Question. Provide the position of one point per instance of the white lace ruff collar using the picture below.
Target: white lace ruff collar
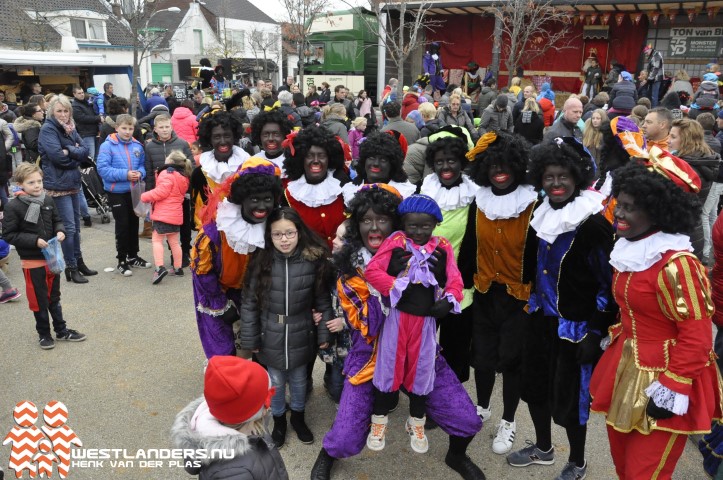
(243, 237)
(449, 198)
(505, 206)
(405, 189)
(549, 222)
(641, 254)
(317, 195)
(220, 171)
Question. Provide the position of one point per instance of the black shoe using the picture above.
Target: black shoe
(322, 467)
(278, 434)
(73, 275)
(69, 335)
(138, 262)
(83, 268)
(464, 465)
(300, 427)
(87, 221)
(47, 343)
(185, 261)
(124, 269)
(159, 274)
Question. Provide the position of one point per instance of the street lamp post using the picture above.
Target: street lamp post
(134, 20)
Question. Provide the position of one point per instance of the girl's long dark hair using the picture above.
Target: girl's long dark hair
(310, 246)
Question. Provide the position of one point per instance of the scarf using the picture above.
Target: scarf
(34, 204)
(68, 127)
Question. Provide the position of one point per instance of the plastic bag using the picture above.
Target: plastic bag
(141, 209)
(54, 256)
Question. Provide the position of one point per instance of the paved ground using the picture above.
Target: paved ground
(143, 362)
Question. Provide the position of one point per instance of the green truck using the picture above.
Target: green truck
(342, 50)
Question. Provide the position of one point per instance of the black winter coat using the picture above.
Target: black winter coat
(156, 153)
(531, 126)
(86, 120)
(60, 172)
(24, 235)
(623, 96)
(30, 131)
(255, 458)
(283, 328)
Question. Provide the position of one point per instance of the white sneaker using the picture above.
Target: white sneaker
(484, 413)
(505, 437)
(417, 438)
(376, 438)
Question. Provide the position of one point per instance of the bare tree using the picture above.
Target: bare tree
(405, 37)
(266, 44)
(34, 33)
(230, 43)
(529, 28)
(300, 15)
(135, 15)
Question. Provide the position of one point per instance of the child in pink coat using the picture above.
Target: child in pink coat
(167, 211)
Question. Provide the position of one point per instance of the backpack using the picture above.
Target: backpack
(16, 138)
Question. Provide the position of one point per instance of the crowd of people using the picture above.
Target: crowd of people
(567, 253)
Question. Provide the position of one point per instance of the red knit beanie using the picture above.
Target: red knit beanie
(236, 389)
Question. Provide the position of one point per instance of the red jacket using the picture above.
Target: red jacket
(548, 111)
(409, 103)
(184, 124)
(717, 283)
(167, 197)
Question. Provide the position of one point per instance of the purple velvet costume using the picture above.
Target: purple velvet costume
(434, 69)
(448, 404)
(210, 299)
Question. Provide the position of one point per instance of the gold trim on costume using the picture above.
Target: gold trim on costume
(678, 378)
(664, 458)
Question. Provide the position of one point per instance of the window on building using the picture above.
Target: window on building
(273, 42)
(235, 39)
(198, 42)
(87, 29)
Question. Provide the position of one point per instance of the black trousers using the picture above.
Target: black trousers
(186, 227)
(126, 225)
(43, 290)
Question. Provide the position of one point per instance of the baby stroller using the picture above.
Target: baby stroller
(93, 190)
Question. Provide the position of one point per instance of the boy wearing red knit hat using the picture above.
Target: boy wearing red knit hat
(230, 417)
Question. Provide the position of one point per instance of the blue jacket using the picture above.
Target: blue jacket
(116, 158)
(155, 100)
(60, 171)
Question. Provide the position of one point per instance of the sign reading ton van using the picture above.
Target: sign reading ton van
(691, 42)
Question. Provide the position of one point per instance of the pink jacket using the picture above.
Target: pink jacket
(167, 198)
(355, 137)
(184, 124)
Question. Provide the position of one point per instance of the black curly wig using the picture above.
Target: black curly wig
(381, 144)
(261, 119)
(612, 153)
(383, 203)
(671, 209)
(254, 183)
(508, 149)
(309, 137)
(219, 119)
(455, 145)
(565, 156)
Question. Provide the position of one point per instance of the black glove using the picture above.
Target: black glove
(657, 412)
(441, 308)
(438, 266)
(230, 315)
(398, 261)
(588, 350)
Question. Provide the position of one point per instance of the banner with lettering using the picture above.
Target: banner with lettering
(695, 42)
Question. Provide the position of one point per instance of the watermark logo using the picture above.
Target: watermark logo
(35, 450)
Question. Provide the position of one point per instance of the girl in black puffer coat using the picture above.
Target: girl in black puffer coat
(287, 279)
